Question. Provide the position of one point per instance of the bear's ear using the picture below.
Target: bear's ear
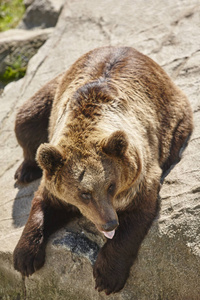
(116, 144)
(49, 158)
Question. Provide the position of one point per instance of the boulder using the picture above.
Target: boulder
(167, 266)
(17, 46)
(41, 13)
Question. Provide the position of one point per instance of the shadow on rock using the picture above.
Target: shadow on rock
(22, 203)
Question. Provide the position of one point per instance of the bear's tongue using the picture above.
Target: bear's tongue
(109, 234)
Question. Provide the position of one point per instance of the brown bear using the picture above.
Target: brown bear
(104, 135)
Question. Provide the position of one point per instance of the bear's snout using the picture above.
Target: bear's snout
(108, 229)
(111, 225)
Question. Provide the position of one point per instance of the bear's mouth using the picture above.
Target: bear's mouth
(109, 234)
(108, 229)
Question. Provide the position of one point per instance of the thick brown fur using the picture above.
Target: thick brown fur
(106, 133)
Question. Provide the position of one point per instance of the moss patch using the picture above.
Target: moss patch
(14, 71)
(11, 12)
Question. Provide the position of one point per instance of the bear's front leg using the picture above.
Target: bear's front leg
(47, 215)
(115, 259)
(29, 254)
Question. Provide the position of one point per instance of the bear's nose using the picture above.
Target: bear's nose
(111, 225)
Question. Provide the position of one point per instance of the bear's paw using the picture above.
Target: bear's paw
(27, 260)
(27, 172)
(110, 274)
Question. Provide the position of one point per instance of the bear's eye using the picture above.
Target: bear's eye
(111, 188)
(86, 197)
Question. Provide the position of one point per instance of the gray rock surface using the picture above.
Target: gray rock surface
(41, 13)
(168, 263)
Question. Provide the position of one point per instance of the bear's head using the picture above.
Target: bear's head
(92, 178)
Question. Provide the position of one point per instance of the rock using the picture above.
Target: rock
(168, 262)
(27, 3)
(17, 46)
(41, 13)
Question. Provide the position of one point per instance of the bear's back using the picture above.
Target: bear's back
(122, 89)
(122, 69)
